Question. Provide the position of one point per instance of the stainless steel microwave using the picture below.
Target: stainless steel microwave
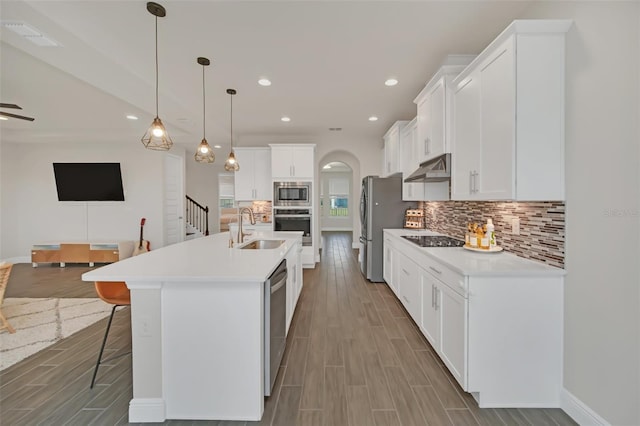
(288, 194)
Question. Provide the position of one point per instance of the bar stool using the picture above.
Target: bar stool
(117, 294)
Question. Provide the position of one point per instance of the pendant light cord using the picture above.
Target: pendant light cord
(156, 66)
(231, 122)
(204, 108)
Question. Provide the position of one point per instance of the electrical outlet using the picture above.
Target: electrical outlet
(145, 326)
(515, 226)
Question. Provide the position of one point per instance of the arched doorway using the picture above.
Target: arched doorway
(336, 206)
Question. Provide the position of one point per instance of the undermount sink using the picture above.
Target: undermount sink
(262, 244)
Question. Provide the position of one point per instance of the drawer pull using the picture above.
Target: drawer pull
(435, 270)
(405, 271)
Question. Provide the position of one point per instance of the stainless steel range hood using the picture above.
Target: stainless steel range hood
(437, 169)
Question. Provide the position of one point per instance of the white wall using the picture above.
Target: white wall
(602, 295)
(31, 212)
(344, 223)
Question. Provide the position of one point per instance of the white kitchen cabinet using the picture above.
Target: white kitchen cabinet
(294, 281)
(409, 289)
(293, 161)
(388, 267)
(392, 155)
(443, 320)
(453, 337)
(435, 114)
(499, 333)
(253, 179)
(430, 320)
(410, 191)
(508, 139)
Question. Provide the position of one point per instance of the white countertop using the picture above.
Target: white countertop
(206, 259)
(473, 263)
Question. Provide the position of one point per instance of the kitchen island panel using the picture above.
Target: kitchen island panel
(212, 351)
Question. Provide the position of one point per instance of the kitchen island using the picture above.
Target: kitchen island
(197, 318)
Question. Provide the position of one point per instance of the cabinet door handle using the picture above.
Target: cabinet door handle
(406, 300)
(294, 170)
(428, 146)
(433, 296)
(435, 270)
(470, 181)
(405, 271)
(436, 300)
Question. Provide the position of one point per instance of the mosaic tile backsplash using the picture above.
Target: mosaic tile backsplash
(541, 225)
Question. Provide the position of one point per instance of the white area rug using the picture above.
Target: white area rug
(40, 323)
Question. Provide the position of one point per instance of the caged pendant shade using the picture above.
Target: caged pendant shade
(156, 137)
(231, 165)
(204, 153)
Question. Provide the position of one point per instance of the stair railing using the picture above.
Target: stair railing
(198, 215)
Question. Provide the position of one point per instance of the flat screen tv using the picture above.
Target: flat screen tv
(88, 181)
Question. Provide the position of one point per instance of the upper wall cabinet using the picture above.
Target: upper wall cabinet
(253, 180)
(508, 131)
(434, 110)
(292, 161)
(392, 163)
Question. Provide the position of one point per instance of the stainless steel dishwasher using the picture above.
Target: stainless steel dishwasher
(275, 311)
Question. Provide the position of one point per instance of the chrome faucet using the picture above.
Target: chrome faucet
(241, 235)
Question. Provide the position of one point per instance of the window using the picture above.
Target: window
(339, 206)
(338, 197)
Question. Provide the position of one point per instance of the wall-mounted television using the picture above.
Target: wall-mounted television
(88, 181)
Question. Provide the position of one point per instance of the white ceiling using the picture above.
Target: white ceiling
(327, 60)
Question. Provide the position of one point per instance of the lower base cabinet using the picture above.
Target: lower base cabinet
(499, 335)
(294, 282)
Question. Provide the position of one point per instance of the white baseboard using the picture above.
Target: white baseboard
(145, 410)
(579, 411)
(18, 259)
(336, 228)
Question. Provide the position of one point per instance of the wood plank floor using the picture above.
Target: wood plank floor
(353, 358)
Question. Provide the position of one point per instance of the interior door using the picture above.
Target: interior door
(174, 199)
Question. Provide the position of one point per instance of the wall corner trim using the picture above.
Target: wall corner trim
(579, 411)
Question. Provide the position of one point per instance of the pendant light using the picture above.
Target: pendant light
(231, 165)
(156, 137)
(204, 153)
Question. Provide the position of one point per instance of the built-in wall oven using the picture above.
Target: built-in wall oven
(275, 320)
(291, 194)
(294, 220)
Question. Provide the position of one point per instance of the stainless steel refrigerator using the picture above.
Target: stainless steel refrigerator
(381, 206)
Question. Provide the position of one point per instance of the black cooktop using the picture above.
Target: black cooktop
(434, 241)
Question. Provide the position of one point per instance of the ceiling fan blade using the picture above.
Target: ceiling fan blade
(21, 117)
(14, 106)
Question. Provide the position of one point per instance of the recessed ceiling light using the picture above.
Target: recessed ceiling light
(132, 117)
(217, 146)
(285, 119)
(391, 82)
(373, 118)
(264, 82)
(3, 118)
